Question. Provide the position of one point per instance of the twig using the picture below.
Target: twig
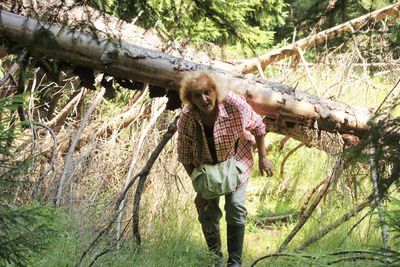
(274, 218)
(62, 115)
(288, 155)
(176, 24)
(41, 178)
(143, 173)
(134, 159)
(164, 140)
(384, 187)
(176, 177)
(283, 141)
(9, 74)
(102, 232)
(30, 117)
(334, 225)
(111, 246)
(309, 195)
(336, 172)
(99, 97)
(282, 254)
(354, 258)
(386, 97)
(352, 228)
(317, 26)
(385, 257)
(303, 60)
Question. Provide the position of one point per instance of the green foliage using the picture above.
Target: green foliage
(304, 14)
(384, 137)
(26, 230)
(29, 228)
(10, 132)
(392, 218)
(220, 22)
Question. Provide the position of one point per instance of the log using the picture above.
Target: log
(271, 99)
(312, 40)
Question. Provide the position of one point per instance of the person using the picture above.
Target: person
(224, 117)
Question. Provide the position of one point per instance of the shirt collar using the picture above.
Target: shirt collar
(221, 113)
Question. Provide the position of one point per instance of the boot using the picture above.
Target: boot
(213, 239)
(235, 236)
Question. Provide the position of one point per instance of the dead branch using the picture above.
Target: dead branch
(58, 120)
(349, 26)
(387, 257)
(336, 224)
(309, 196)
(282, 142)
(53, 157)
(98, 99)
(384, 186)
(13, 69)
(143, 176)
(94, 242)
(288, 155)
(352, 228)
(134, 159)
(273, 219)
(9, 75)
(336, 172)
(120, 121)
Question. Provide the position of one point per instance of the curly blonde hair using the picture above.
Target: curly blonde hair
(191, 78)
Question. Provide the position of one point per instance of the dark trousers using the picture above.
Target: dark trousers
(210, 213)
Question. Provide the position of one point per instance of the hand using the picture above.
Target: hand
(266, 166)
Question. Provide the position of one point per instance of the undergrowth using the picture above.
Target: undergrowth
(171, 234)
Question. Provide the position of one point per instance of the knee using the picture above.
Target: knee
(236, 214)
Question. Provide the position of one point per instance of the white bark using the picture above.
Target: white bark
(274, 100)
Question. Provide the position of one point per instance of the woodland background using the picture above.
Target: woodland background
(88, 169)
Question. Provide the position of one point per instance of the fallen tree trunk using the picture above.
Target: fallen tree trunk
(285, 51)
(271, 99)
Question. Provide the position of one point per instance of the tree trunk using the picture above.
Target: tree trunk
(271, 99)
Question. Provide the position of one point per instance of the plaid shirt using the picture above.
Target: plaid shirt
(236, 120)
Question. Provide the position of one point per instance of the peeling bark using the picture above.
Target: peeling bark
(271, 99)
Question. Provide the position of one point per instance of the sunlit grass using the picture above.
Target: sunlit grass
(171, 234)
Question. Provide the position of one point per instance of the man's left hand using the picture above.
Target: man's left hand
(266, 166)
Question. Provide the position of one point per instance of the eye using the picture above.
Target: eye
(196, 95)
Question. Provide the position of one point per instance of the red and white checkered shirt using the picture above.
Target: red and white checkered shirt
(236, 120)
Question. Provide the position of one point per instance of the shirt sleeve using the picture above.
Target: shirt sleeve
(185, 139)
(252, 121)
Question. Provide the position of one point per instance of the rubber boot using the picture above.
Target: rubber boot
(235, 236)
(213, 239)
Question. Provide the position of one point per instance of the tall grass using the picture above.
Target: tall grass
(168, 220)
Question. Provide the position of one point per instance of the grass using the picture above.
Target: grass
(168, 220)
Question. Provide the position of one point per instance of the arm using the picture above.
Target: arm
(185, 142)
(263, 162)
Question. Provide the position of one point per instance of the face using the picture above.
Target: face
(204, 97)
